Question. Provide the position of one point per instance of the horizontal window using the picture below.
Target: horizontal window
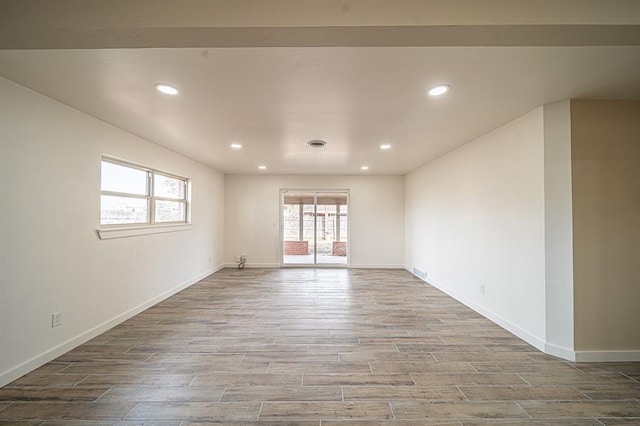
(168, 187)
(169, 211)
(122, 210)
(124, 179)
(135, 195)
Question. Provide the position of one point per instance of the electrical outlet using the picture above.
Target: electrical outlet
(56, 319)
(482, 289)
(209, 259)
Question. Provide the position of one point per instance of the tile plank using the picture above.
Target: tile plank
(38, 393)
(387, 393)
(457, 410)
(163, 394)
(581, 409)
(201, 411)
(475, 379)
(351, 379)
(325, 410)
(243, 379)
(520, 393)
(20, 411)
(281, 393)
(598, 392)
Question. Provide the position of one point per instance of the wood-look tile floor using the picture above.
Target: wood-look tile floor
(317, 347)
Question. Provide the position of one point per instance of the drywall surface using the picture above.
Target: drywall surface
(475, 225)
(558, 210)
(605, 142)
(376, 216)
(51, 259)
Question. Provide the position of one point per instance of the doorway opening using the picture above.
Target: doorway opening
(315, 228)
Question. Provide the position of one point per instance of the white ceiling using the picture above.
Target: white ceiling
(297, 84)
(274, 100)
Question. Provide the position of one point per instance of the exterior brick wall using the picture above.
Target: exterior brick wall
(339, 248)
(296, 247)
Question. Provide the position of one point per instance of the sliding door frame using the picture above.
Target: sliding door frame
(315, 192)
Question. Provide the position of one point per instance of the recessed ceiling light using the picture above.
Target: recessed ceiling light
(385, 146)
(236, 146)
(166, 89)
(438, 90)
(262, 167)
(317, 143)
(364, 168)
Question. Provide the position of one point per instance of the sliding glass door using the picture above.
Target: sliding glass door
(315, 227)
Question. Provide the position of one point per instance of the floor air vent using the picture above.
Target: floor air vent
(420, 274)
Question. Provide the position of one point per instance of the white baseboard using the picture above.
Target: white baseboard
(607, 356)
(502, 322)
(559, 351)
(51, 354)
(375, 266)
(253, 265)
(293, 265)
(548, 348)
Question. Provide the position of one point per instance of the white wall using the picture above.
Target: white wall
(376, 216)
(50, 257)
(558, 230)
(476, 217)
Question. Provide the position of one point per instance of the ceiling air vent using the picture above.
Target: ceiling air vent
(317, 143)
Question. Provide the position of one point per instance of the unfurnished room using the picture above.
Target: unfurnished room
(320, 212)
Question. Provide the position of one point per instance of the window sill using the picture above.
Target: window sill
(124, 232)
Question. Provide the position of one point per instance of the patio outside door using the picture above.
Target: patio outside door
(314, 228)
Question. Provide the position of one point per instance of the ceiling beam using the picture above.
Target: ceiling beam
(433, 36)
(100, 24)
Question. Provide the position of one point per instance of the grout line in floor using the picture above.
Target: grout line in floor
(525, 411)
(393, 414)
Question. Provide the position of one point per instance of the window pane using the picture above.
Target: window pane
(117, 178)
(168, 187)
(123, 210)
(170, 211)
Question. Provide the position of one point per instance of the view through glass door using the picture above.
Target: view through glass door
(314, 227)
